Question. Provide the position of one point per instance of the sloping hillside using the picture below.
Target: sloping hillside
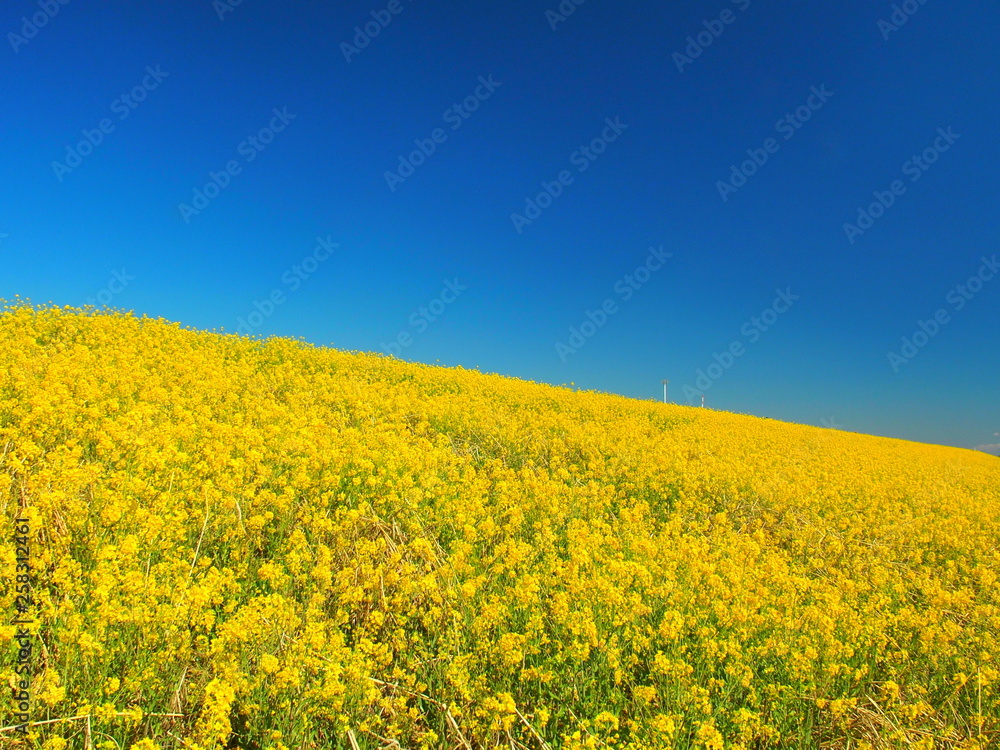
(262, 544)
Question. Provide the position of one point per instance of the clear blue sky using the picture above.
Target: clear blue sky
(175, 92)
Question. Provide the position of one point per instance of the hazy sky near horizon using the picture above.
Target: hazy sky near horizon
(789, 210)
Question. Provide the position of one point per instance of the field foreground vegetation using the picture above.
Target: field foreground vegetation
(267, 545)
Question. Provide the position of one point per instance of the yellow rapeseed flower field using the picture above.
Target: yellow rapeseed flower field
(267, 545)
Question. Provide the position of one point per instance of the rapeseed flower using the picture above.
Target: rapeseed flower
(239, 540)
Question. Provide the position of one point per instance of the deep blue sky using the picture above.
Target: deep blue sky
(657, 184)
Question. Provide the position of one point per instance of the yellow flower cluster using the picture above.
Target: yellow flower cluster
(264, 544)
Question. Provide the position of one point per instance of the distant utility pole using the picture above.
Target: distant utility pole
(665, 390)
